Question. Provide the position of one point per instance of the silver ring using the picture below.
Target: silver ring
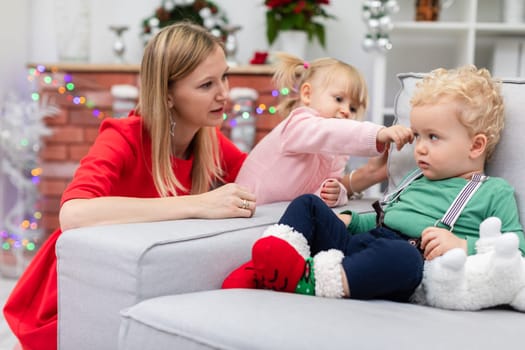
(245, 204)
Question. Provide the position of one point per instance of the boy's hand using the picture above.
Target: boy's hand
(345, 218)
(330, 192)
(398, 134)
(437, 241)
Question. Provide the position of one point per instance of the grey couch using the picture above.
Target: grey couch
(156, 285)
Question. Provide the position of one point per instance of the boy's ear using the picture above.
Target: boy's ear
(305, 93)
(479, 144)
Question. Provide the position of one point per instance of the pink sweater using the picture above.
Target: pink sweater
(303, 151)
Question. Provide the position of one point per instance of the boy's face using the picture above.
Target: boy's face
(330, 101)
(442, 144)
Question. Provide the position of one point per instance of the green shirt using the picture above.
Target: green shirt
(424, 202)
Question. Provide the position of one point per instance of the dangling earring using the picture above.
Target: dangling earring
(172, 128)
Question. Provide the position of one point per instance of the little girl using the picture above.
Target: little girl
(307, 152)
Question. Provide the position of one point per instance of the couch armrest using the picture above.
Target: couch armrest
(104, 269)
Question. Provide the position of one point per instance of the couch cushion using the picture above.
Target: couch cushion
(257, 319)
(506, 162)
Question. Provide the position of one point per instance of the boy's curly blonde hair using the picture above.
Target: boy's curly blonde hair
(292, 72)
(479, 101)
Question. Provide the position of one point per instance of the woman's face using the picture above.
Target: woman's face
(199, 99)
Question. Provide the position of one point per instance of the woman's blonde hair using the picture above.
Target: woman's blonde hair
(478, 97)
(172, 54)
(292, 72)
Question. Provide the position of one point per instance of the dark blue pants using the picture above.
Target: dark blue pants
(379, 264)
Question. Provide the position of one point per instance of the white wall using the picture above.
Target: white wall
(343, 35)
(14, 31)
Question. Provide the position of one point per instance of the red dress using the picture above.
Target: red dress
(118, 164)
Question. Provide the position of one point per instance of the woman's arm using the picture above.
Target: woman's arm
(224, 202)
(373, 172)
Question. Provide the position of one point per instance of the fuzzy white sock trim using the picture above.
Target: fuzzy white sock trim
(287, 233)
(327, 270)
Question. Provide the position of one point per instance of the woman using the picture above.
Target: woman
(166, 161)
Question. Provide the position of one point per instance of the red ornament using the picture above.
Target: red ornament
(259, 57)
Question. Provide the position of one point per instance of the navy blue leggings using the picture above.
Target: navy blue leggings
(379, 264)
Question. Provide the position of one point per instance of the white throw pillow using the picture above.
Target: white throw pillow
(507, 161)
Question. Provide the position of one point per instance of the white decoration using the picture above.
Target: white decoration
(237, 93)
(376, 15)
(124, 91)
(205, 12)
(392, 6)
(20, 141)
(209, 22)
(494, 276)
(216, 32)
(169, 5)
(154, 22)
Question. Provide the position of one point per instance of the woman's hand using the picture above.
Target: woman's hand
(228, 201)
(437, 241)
(330, 192)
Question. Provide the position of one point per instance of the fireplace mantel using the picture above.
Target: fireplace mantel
(261, 69)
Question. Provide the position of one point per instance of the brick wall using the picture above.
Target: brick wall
(262, 83)
(75, 127)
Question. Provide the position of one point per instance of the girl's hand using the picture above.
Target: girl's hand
(330, 192)
(437, 241)
(398, 134)
(228, 201)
